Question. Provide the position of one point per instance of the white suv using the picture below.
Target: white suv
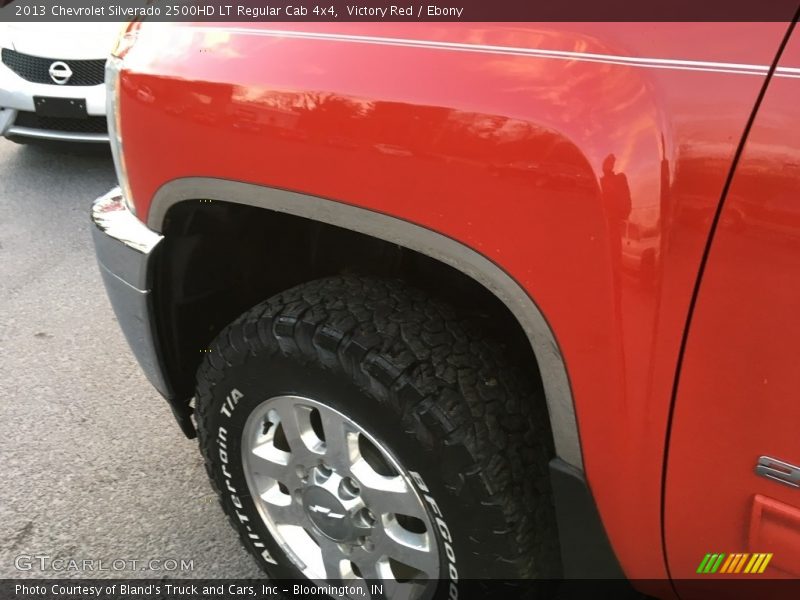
(51, 81)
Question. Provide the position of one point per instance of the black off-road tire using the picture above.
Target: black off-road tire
(424, 381)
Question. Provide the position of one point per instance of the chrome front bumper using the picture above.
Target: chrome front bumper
(124, 247)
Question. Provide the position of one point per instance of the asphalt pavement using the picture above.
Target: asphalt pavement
(92, 465)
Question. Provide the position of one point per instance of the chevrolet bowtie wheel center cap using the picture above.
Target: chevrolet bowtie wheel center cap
(328, 515)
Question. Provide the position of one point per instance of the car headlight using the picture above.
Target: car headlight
(114, 67)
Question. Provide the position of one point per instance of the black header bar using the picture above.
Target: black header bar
(401, 10)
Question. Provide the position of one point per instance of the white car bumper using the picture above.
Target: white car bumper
(18, 114)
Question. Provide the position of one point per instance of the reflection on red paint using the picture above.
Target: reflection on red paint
(742, 355)
(511, 155)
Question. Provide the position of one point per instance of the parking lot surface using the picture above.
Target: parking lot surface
(92, 464)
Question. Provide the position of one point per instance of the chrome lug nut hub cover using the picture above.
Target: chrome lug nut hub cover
(333, 507)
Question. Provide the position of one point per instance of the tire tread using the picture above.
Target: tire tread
(447, 381)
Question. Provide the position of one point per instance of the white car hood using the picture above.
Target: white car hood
(63, 40)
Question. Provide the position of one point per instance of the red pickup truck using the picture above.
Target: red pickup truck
(457, 301)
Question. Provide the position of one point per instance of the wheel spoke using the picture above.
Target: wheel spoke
(289, 514)
(339, 450)
(331, 558)
(269, 462)
(367, 564)
(293, 429)
(358, 581)
(397, 499)
(415, 551)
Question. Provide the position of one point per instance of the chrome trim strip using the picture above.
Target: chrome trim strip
(46, 134)
(415, 237)
(614, 59)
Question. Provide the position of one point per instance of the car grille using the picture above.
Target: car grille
(70, 125)
(37, 69)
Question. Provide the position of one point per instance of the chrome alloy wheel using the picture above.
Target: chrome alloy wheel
(337, 502)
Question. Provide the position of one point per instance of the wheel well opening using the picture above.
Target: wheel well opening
(219, 259)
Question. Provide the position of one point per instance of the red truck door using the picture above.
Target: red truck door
(732, 495)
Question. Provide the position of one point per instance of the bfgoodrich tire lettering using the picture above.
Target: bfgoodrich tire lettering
(467, 428)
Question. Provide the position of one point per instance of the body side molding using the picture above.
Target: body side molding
(420, 239)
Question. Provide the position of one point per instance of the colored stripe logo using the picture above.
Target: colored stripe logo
(734, 563)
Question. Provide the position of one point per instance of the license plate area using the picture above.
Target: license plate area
(73, 108)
